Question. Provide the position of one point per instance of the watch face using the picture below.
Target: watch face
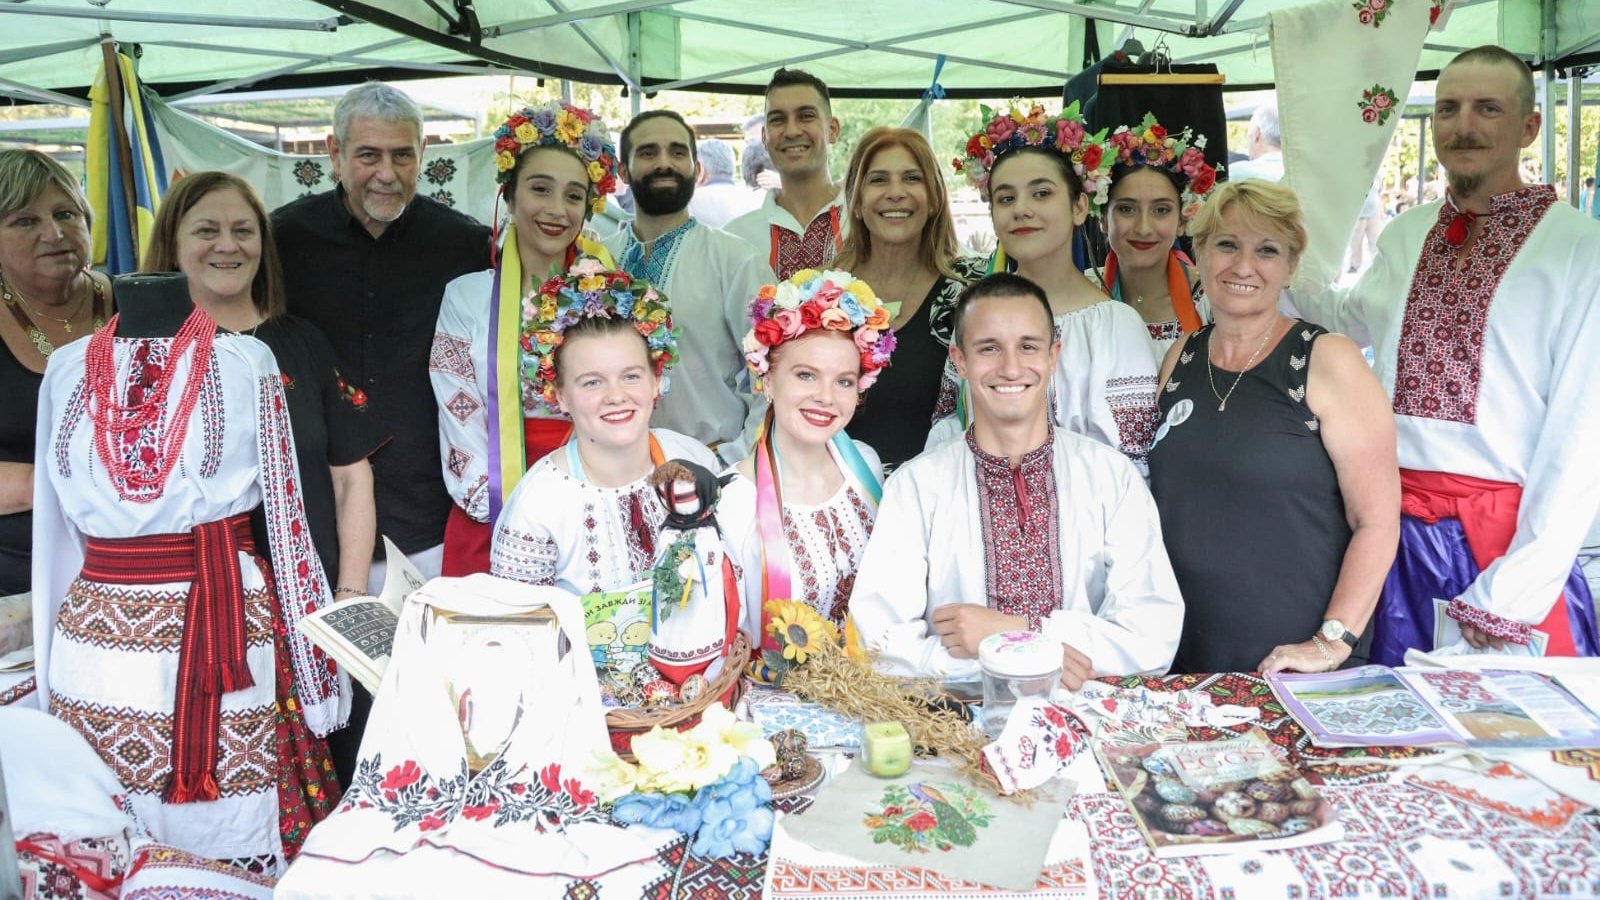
(1333, 629)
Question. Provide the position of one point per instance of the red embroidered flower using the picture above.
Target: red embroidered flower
(1382, 101)
(287, 381)
(1369, 115)
(550, 777)
(401, 776)
(1092, 157)
(1065, 745)
(519, 788)
(359, 398)
(1055, 717)
(584, 798)
(147, 455)
(975, 146)
(892, 811)
(479, 813)
(1204, 181)
(769, 333)
(922, 821)
(431, 822)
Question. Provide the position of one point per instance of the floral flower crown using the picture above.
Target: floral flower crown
(1183, 155)
(559, 124)
(589, 291)
(1012, 129)
(809, 300)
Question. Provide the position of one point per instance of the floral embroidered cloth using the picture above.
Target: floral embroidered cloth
(528, 812)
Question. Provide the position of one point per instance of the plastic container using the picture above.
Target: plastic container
(1016, 665)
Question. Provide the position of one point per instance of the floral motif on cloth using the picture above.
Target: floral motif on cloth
(826, 543)
(409, 795)
(1022, 558)
(1165, 332)
(139, 449)
(1440, 353)
(812, 249)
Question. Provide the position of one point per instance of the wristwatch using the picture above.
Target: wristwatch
(1334, 630)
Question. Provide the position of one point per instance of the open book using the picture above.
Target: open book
(1375, 706)
(359, 633)
(1192, 798)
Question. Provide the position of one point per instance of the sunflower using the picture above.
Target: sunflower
(800, 629)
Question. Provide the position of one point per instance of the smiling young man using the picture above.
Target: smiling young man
(1017, 525)
(799, 226)
(711, 277)
(1483, 311)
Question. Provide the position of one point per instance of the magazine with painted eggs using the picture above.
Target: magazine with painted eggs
(1375, 706)
(1194, 798)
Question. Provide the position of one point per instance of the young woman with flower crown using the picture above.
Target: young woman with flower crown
(556, 167)
(1039, 174)
(1157, 185)
(800, 507)
(585, 518)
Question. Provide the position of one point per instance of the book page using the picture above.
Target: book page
(1508, 709)
(1369, 706)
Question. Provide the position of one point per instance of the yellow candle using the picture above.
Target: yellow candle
(887, 749)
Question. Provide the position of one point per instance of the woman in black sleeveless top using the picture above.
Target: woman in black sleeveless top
(1274, 465)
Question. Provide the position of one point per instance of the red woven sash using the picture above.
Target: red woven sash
(212, 660)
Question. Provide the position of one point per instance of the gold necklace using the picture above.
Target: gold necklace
(41, 342)
(1222, 399)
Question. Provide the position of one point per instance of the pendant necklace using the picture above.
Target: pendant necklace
(1222, 399)
(25, 314)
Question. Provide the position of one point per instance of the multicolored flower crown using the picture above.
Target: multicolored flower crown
(810, 300)
(1183, 155)
(1012, 129)
(559, 124)
(589, 291)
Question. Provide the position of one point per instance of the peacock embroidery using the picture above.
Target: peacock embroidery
(924, 816)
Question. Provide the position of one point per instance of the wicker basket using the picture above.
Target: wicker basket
(725, 689)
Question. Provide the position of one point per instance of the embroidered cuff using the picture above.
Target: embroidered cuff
(1489, 623)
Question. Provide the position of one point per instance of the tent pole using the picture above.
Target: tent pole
(29, 92)
(1547, 128)
(635, 63)
(1422, 157)
(1574, 135)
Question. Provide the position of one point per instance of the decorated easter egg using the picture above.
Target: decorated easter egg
(1160, 764)
(1303, 789)
(1272, 811)
(660, 692)
(1182, 813)
(1297, 826)
(1304, 807)
(1206, 828)
(1250, 827)
(1234, 805)
(1174, 791)
(1262, 791)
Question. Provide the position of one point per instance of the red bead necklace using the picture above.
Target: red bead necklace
(114, 421)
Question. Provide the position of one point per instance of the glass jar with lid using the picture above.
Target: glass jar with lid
(1016, 665)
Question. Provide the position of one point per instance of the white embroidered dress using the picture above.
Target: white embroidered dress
(1104, 385)
(711, 278)
(557, 530)
(824, 542)
(106, 655)
(1502, 387)
(1101, 582)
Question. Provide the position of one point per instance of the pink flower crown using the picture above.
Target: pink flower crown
(1184, 155)
(559, 124)
(589, 290)
(810, 300)
(1008, 130)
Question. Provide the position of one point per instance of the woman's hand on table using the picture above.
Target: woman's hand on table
(1305, 657)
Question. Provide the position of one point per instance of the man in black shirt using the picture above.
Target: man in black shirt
(367, 262)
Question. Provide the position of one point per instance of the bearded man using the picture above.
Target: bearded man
(709, 276)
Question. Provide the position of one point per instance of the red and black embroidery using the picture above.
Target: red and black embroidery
(408, 795)
(137, 745)
(1021, 528)
(1440, 358)
(354, 396)
(812, 249)
(452, 355)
